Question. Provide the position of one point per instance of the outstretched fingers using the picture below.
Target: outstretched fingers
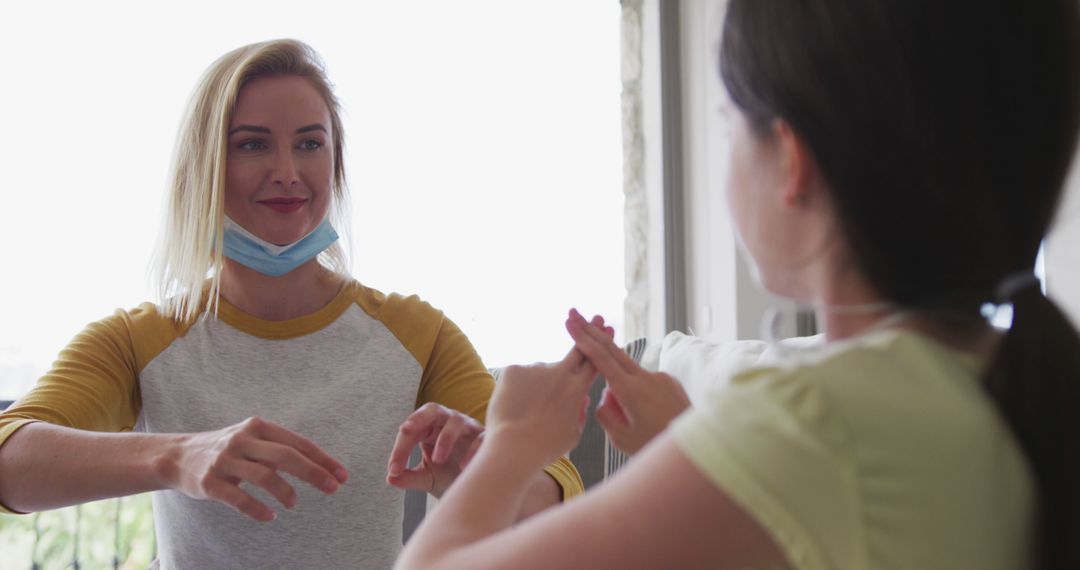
(267, 457)
(310, 462)
(239, 500)
(577, 363)
(214, 465)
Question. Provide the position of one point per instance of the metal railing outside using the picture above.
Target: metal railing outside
(115, 533)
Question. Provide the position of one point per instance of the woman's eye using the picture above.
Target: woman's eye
(311, 144)
(251, 145)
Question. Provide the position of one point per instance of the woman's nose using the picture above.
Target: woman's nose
(284, 168)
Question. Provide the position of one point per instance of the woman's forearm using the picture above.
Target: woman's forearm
(43, 466)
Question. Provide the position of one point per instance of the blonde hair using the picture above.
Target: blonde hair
(190, 248)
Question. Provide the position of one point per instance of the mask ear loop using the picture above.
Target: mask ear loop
(772, 326)
(773, 318)
(771, 321)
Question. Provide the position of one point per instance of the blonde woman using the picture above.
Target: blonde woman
(266, 377)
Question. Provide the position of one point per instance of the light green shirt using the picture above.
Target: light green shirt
(877, 452)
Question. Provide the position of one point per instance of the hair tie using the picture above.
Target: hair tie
(999, 312)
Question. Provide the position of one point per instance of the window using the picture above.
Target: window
(484, 157)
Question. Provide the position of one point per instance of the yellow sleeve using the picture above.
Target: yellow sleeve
(453, 373)
(93, 384)
(456, 378)
(566, 475)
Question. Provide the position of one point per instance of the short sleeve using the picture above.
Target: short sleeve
(453, 373)
(93, 384)
(770, 441)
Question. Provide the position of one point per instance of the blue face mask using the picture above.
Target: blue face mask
(246, 249)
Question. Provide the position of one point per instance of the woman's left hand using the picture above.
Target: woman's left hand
(448, 440)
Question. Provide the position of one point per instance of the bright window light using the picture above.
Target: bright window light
(484, 157)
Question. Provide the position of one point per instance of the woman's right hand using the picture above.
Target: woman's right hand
(212, 465)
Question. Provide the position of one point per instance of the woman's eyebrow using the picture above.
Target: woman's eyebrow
(264, 130)
(309, 128)
(251, 128)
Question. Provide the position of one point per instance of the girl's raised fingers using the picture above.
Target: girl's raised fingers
(597, 348)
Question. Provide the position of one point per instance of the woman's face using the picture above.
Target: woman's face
(279, 164)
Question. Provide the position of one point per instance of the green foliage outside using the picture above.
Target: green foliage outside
(50, 540)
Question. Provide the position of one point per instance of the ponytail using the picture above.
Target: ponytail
(1035, 380)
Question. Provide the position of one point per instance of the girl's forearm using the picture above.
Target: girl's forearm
(543, 492)
(486, 499)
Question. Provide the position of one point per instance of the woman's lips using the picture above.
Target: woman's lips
(284, 205)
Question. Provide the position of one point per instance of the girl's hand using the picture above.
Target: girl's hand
(637, 405)
(543, 406)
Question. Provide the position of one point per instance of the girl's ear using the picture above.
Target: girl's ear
(799, 171)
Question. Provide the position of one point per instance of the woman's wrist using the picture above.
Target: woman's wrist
(162, 459)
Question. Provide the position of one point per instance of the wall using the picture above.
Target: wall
(1062, 253)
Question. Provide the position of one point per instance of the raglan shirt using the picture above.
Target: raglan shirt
(883, 452)
(344, 377)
